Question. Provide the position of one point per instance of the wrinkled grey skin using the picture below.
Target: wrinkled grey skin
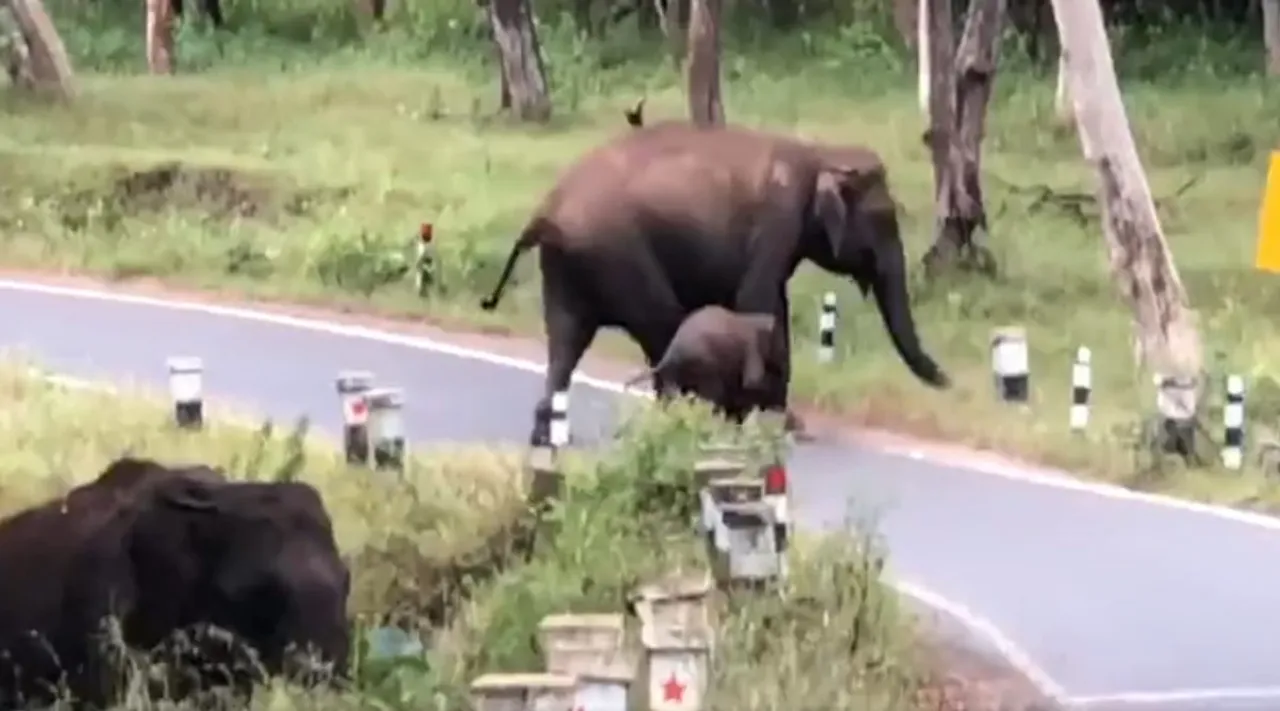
(670, 217)
(721, 356)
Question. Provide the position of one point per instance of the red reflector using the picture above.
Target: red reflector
(775, 480)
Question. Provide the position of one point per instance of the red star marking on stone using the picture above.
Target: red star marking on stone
(358, 408)
(672, 689)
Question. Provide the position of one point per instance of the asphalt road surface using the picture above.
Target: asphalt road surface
(1105, 599)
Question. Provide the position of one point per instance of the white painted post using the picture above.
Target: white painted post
(523, 692)
(1081, 385)
(1233, 423)
(424, 264)
(745, 546)
(353, 387)
(676, 631)
(1175, 401)
(590, 648)
(827, 329)
(386, 427)
(186, 385)
(1010, 364)
(559, 425)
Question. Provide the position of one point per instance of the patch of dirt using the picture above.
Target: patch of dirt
(218, 191)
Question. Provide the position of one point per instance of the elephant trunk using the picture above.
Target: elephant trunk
(889, 286)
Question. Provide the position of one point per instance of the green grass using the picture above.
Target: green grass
(624, 518)
(307, 184)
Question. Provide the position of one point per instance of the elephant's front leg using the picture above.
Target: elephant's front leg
(779, 382)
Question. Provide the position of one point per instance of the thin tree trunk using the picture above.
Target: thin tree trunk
(1062, 107)
(941, 47)
(923, 54)
(670, 16)
(159, 37)
(520, 59)
(705, 105)
(45, 67)
(1166, 336)
(958, 125)
(1271, 33)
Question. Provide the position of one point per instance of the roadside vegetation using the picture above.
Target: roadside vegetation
(443, 553)
(294, 158)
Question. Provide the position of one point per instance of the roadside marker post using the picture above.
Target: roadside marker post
(386, 427)
(1233, 424)
(558, 427)
(827, 329)
(424, 265)
(186, 385)
(1010, 364)
(1267, 257)
(1081, 386)
(353, 387)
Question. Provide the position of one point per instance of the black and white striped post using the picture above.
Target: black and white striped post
(424, 265)
(827, 328)
(1233, 424)
(558, 427)
(386, 427)
(1081, 385)
(186, 385)
(353, 386)
(1010, 364)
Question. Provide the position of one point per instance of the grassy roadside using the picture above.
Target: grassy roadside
(308, 186)
(400, 537)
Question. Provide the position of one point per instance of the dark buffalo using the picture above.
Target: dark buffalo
(164, 550)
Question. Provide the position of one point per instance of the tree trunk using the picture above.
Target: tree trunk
(924, 52)
(705, 106)
(1271, 33)
(670, 15)
(1062, 108)
(958, 118)
(159, 37)
(520, 59)
(45, 68)
(1166, 337)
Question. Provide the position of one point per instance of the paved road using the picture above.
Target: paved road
(1108, 601)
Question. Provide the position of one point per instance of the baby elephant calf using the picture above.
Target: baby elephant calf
(720, 356)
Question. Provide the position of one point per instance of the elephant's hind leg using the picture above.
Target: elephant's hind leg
(571, 327)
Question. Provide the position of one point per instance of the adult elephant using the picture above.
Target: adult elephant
(670, 217)
(164, 550)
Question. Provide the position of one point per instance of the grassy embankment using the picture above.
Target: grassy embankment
(405, 540)
(308, 184)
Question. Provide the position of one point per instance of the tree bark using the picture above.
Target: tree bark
(924, 52)
(1271, 33)
(159, 37)
(1166, 336)
(705, 105)
(671, 14)
(961, 90)
(520, 59)
(1062, 107)
(45, 67)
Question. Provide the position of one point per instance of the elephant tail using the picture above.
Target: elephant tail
(529, 238)
(635, 115)
(646, 373)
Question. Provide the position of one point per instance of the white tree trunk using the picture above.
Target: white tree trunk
(922, 54)
(1062, 108)
(1271, 33)
(1166, 337)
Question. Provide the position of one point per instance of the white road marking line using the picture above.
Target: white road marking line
(1014, 654)
(979, 625)
(1139, 698)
